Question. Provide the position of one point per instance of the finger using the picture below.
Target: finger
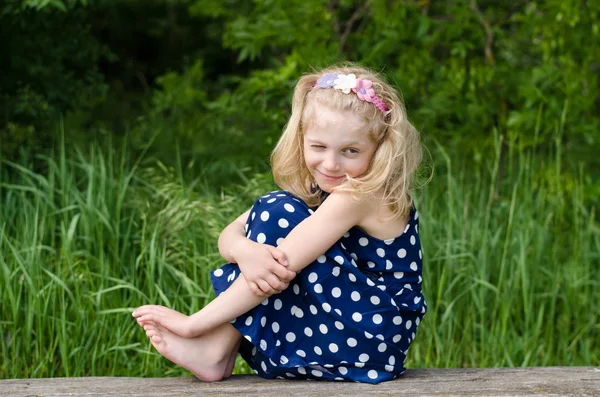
(275, 283)
(278, 255)
(283, 274)
(265, 287)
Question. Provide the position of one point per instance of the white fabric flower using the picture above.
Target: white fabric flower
(345, 82)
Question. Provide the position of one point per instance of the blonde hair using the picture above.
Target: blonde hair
(394, 162)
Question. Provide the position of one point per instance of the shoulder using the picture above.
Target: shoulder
(344, 204)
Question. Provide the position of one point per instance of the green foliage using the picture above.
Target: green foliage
(50, 66)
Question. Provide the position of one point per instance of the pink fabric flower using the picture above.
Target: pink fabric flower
(363, 90)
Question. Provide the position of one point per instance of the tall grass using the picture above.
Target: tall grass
(511, 261)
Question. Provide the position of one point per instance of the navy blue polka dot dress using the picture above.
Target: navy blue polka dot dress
(350, 315)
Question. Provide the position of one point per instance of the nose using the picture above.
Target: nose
(330, 162)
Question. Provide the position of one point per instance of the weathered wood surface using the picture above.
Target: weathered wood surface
(539, 381)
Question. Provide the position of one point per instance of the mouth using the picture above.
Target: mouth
(331, 178)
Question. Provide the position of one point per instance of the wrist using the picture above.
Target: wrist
(237, 250)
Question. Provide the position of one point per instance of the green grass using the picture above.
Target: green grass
(510, 247)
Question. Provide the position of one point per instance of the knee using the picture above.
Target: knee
(274, 215)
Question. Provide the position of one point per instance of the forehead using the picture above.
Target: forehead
(323, 120)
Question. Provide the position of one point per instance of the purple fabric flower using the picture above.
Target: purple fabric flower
(327, 80)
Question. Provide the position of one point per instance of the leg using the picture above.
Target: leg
(210, 357)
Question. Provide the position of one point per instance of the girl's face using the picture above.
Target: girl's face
(336, 144)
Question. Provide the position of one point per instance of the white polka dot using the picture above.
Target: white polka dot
(288, 207)
(261, 238)
(416, 214)
(278, 304)
(336, 271)
(398, 274)
(339, 325)
(263, 321)
(417, 321)
(326, 307)
(353, 263)
(290, 336)
(248, 337)
(352, 277)
(389, 368)
(382, 347)
(218, 272)
(353, 255)
(363, 358)
(368, 335)
(318, 288)
(336, 292)
(301, 353)
(355, 296)
(263, 344)
(318, 350)
(338, 311)
(333, 348)
(377, 319)
(397, 320)
(263, 366)
(352, 342)
(271, 200)
(246, 228)
(413, 266)
(357, 317)
(382, 287)
(396, 338)
(308, 332)
(375, 300)
(264, 216)
(370, 282)
(249, 234)
(301, 370)
(283, 223)
(413, 240)
(379, 336)
(323, 328)
(275, 327)
(363, 241)
(420, 255)
(371, 264)
(253, 215)
(317, 373)
(372, 374)
(283, 360)
(321, 259)
(248, 320)
(417, 299)
(392, 360)
(296, 289)
(407, 227)
(401, 253)
(388, 264)
(299, 313)
(381, 252)
(339, 259)
(343, 370)
(390, 241)
(313, 277)
(408, 324)
(313, 309)
(311, 211)
(279, 241)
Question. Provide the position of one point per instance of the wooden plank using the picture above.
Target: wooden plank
(539, 381)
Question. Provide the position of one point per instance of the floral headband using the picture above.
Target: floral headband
(348, 82)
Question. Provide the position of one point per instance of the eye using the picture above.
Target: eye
(351, 150)
(317, 146)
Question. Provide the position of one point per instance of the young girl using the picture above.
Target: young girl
(343, 287)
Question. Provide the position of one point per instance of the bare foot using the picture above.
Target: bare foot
(208, 356)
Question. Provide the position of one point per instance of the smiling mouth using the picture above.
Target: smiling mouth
(331, 177)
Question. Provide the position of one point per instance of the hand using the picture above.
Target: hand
(168, 318)
(264, 268)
